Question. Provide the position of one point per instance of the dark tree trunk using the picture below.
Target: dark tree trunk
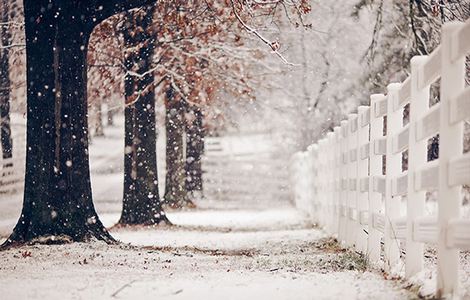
(5, 87)
(175, 191)
(99, 130)
(57, 194)
(141, 201)
(110, 116)
(194, 150)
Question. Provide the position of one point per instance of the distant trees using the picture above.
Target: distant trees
(194, 151)
(105, 72)
(413, 25)
(141, 201)
(175, 190)
(202, 51)
(401, 31)
(197, 45)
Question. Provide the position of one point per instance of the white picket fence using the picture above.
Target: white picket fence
(340, 180)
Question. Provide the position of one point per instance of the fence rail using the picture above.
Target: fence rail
(341, 180)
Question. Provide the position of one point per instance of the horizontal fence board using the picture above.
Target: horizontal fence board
(364, 184)
(380, 146)
(458, 234)
(353, 155)
(353, 124)
(364, 217)
(399, 228)
(460, 107)
(401, 141)
(430, 71)
(400, 185)
(380, 108)
(427, 178)
(428, 125)
(344, 211)
(459, 170)
(352, 213)
(404, 94)
(352, 184)
(364, 117)
(378, 222)
(379, 184)
(344, 157)
(425, 230)
(344, 184)
(364, 151)
(344, 129)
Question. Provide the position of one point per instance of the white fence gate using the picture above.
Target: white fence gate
(244, 170)
(12, 169)
(340, 180)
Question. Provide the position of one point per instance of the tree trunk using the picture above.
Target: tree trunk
(110, 116)
(194, 151)
(5, 88)
(99, 130)
(57, 194)
(175, 191)
(141, 201)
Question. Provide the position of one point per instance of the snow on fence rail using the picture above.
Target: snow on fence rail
(341, 181)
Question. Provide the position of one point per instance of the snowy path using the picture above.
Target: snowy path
(242, 254)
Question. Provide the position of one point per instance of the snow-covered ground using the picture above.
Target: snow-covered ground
(272, 254)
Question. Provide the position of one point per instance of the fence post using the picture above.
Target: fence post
(352, 179)
(417, 157)
(375, 169)
(450, 145)
(330, 172)
(318, 167)
(308, 180)
(362, 173)
(314, 182)
(393, 169)
(337, 153)
(324, 191)
(321, 159)
(343, 177)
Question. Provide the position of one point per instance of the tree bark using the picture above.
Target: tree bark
(57, 193)
(110, 116)
(175, 191)
(194, 150)
(5, 88)
(141, 201)
(99, 130)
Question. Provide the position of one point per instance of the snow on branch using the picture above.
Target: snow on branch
(274, 45)
(15, 45)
